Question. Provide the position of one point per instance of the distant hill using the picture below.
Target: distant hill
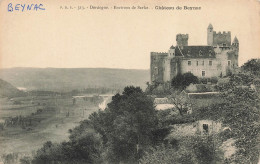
(7, 90)
(67, 79)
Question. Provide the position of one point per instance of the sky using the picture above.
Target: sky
(111, 38)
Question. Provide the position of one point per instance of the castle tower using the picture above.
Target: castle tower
(210, 35)
(182, 39)
(235, 43)
(235, 48)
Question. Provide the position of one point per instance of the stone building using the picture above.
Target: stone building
(218, 58)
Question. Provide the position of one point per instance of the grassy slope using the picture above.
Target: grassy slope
(7, 90)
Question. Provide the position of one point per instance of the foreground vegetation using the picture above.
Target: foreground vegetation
(130, 130)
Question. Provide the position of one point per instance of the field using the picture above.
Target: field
(28, 122)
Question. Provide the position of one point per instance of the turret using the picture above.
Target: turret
(210, 35)
(171, 52)
(235, 42)
(235, 48)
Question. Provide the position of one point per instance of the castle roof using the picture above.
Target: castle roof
(235, 40)
(210, 26)
(172, 47)
(195, 51)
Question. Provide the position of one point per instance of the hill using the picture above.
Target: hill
(67, 79)
(7, 90)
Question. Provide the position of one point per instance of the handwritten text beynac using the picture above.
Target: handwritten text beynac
(24, 7)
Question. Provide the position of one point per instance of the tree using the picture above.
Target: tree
(242, 115)
(181, 102)
(167, 154)
(126, 125)
(181, 81)
(84, 146)
(189, 150)
(252, 66)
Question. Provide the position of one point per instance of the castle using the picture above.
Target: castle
(218, 58)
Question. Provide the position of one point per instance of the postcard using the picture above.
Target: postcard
(102, 81)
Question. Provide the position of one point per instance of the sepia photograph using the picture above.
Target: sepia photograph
(129, 82)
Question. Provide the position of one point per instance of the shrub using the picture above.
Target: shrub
(204, 80)
(181, 81)
(214, 80)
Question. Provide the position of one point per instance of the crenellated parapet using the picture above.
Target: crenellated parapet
(222, 38)
(182, 36)
(222, 33)
(159, 53)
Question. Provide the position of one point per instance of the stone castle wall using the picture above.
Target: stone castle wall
(157, 66)
(175, 67)
(199, 65)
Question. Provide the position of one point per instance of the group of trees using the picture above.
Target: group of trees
(181, 81)
(240, 112)
(84, 147)
(252, 66)
(193, 149)
(127, 125)
(120, 133)
(129, 130)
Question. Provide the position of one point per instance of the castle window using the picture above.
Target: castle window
(189, 62)
(229, 63)
(203, 62)
(210, 63)
(224, 44)
(197, 63)
(156, 70)
(203, 73)
(188, 53)
(200, 53)
(210, 52)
